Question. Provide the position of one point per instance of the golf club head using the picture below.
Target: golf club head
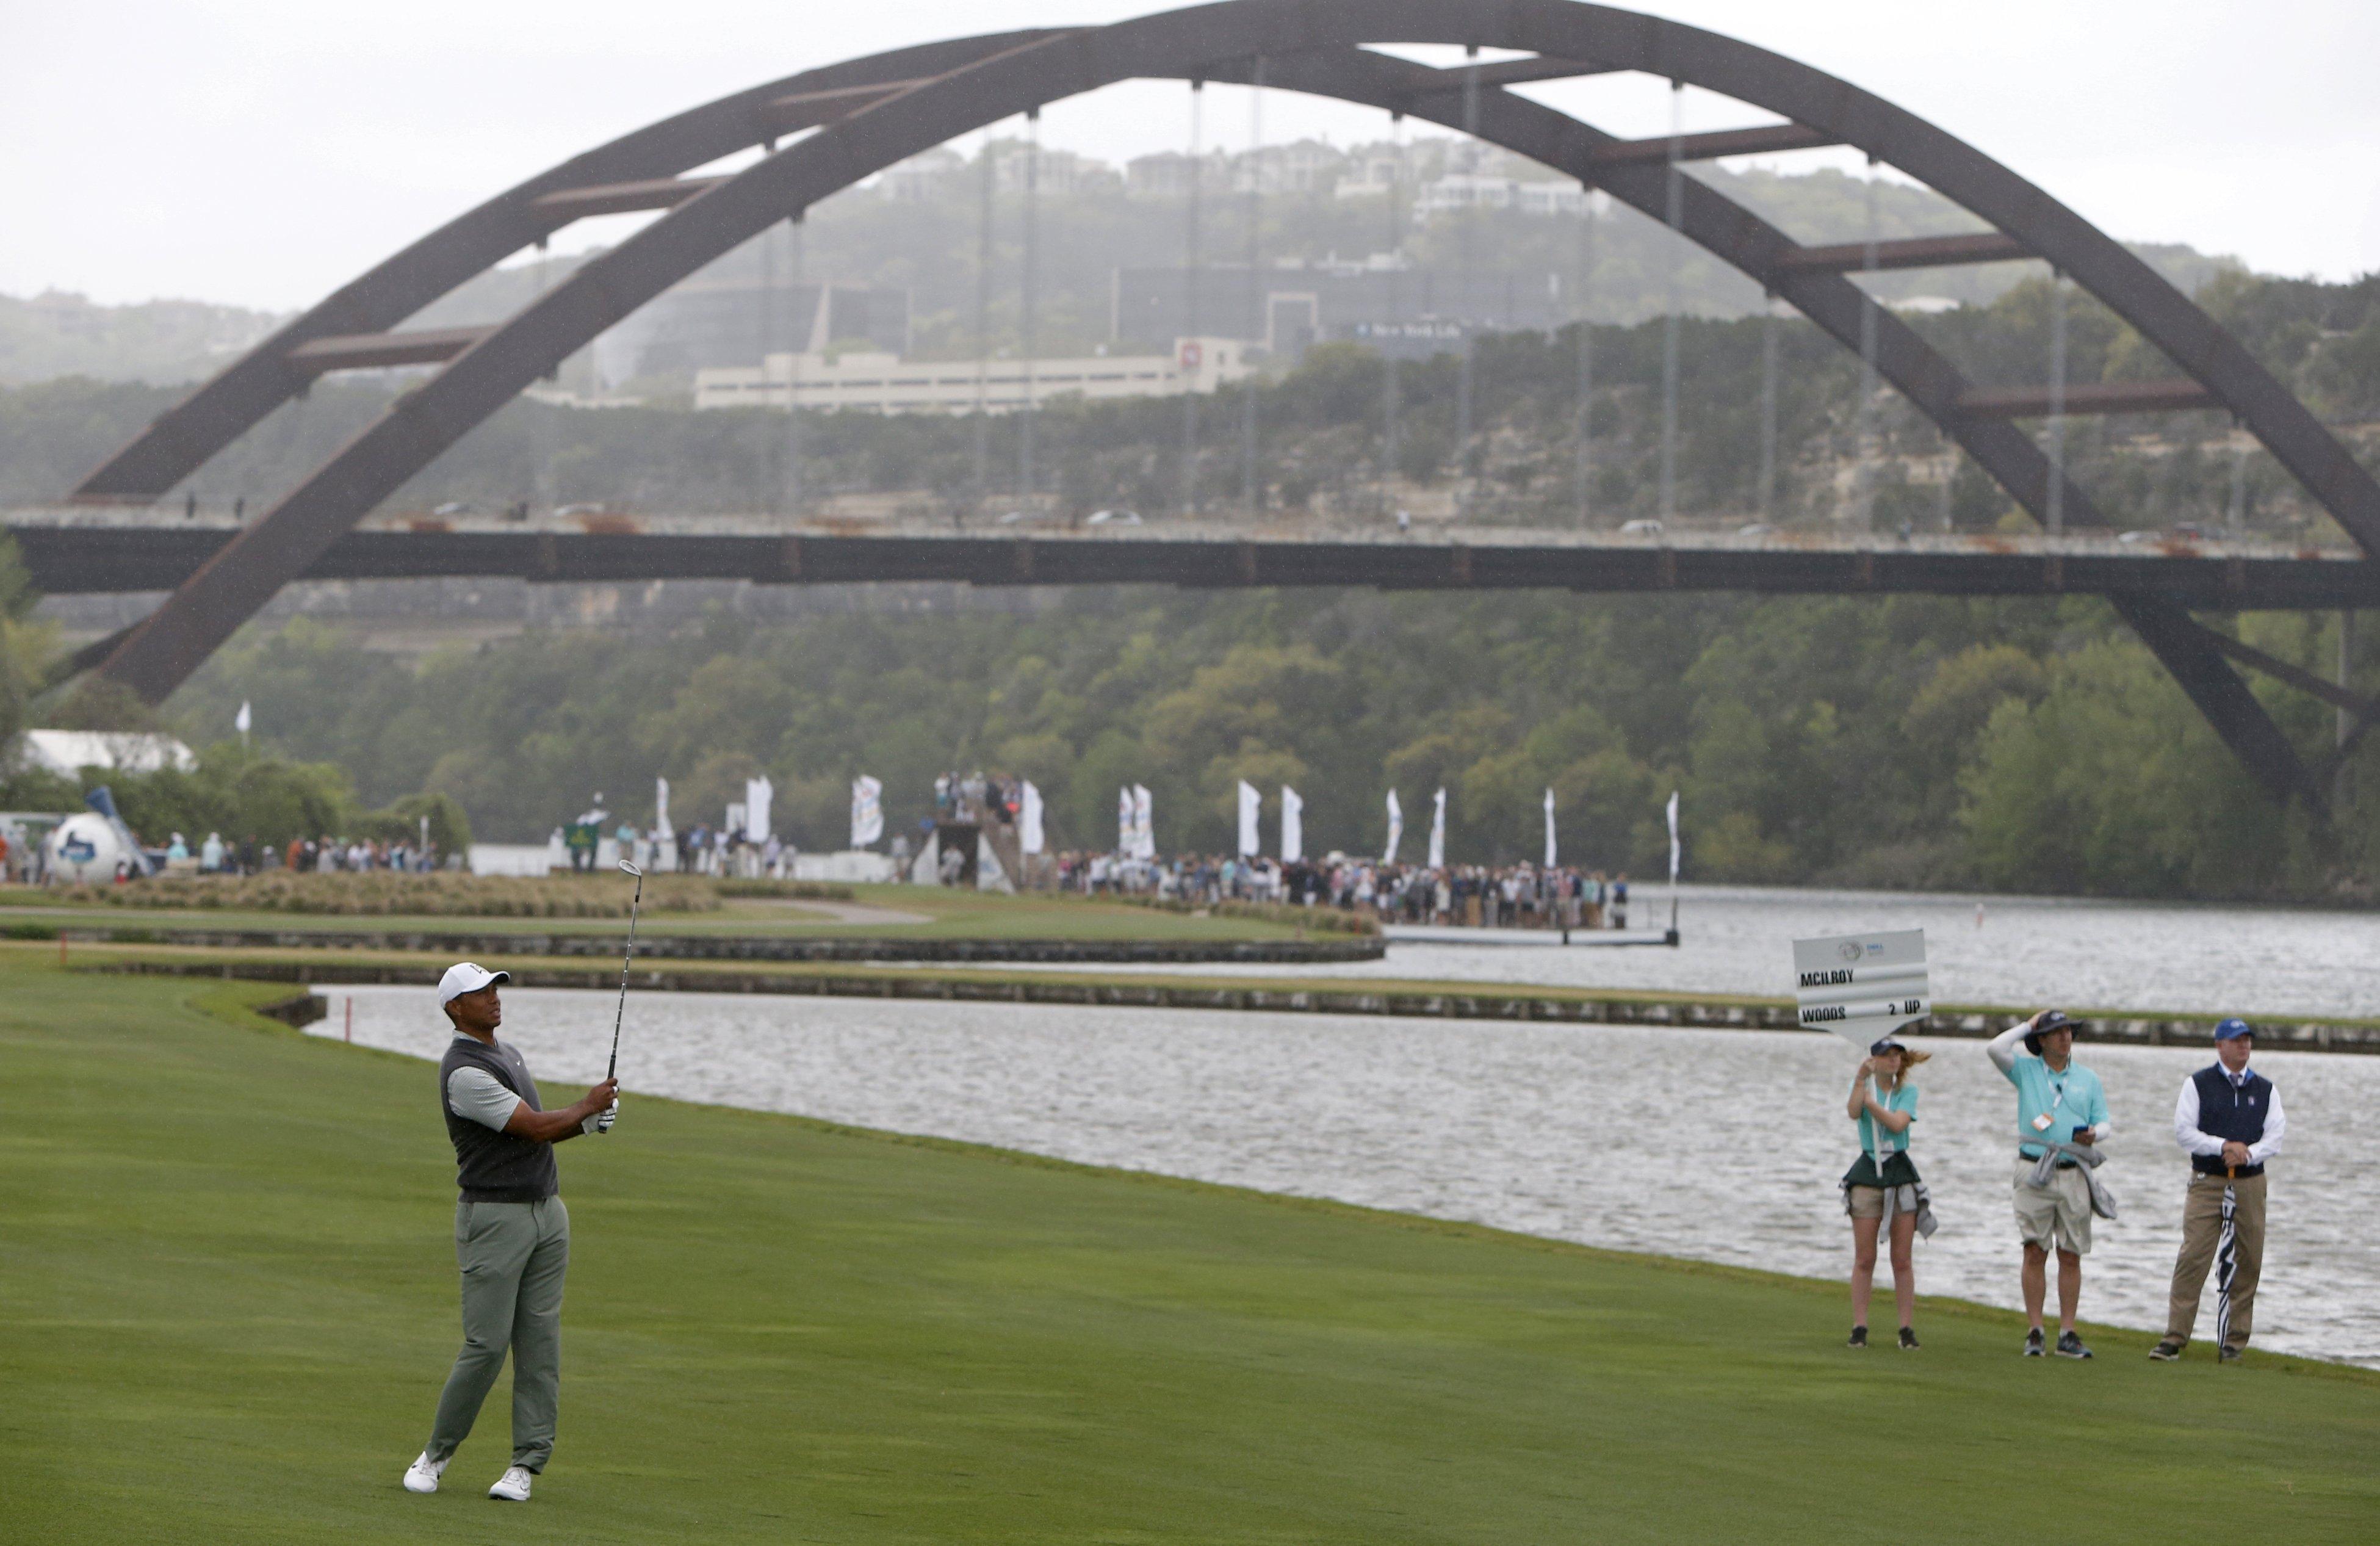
(631, 869)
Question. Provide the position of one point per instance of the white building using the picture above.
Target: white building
(1373, 172)
(68, 752)
(878, 382)
(1301, 166)
(923, 178)
(1166, 174)
(1458, 191)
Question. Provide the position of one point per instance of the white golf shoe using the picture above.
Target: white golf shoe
(513, 1486)
(422, 1475)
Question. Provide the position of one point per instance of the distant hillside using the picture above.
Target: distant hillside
(56, 334)
(928, 246)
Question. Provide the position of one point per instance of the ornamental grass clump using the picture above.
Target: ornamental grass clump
(379, 893)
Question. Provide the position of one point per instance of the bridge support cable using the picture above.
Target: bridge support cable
(820, 332)
(2349, 723)
(979, 483)
(767, 471)
(1864, 418)
(2235, 514)
(1029, 297)
(1467, 362)
(1192, 256)
(1581, 309)
(2055, 520)
(541, 425)
(1765, 492)
(1946, 495)
(1673, 215)
(1260, 321)
(1391, 362)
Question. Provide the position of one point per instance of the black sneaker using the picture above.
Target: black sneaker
(2032, 1342)
(1908, 1340)
(2229, 1355)
(2167, 1349)
(1859, 1337)
(2070, 1346)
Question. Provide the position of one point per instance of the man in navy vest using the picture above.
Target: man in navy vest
(511, 1234)
(2229, 1120)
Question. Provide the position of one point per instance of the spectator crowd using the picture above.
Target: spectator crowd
(1521, 895)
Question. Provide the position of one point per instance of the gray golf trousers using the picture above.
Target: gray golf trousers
(513, 1257)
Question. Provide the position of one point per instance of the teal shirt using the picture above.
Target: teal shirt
(2070, 1100)
(1903, 1099)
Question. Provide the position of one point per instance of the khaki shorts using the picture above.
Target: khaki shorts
(1866, 1202)
(2057, 1216)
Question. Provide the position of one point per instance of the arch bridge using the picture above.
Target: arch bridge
(824, 129)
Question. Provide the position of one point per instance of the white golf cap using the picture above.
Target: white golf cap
(467, 977)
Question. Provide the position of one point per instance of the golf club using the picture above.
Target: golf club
(612, 1067)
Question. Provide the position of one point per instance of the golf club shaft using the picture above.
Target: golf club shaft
(620, 1014)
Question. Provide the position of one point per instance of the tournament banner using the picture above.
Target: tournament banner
(1029, 838)
(1144, 825)
(1861, 986)
(1396, 829)
(1250, 804)
(1293, 825)
(867, 811)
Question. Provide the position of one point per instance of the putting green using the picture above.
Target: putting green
(225, 1262)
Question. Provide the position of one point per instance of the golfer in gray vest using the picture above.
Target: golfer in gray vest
(511, 1234)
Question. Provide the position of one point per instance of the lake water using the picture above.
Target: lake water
(2034, 951)
(1719, 1145)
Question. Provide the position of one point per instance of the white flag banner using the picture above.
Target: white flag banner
(1859, 986)
(1438, 832)
(1127, 825)
(1549, 829)
(661, 811)
(867, 811)
(734, 823)
(757, 792)
(1675, 852)
(1144, 825)
(1251, 804)
(1396, 829)
(242, 720)
(1029, 839)
(1293, 825)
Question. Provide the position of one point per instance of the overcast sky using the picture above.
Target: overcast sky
(261, 151)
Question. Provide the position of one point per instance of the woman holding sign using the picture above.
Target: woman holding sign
(1881, 1191)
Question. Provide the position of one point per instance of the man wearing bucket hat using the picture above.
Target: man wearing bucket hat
(511, 1234)
(2229, 1122)
(2061, 1115)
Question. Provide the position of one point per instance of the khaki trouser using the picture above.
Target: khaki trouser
(513, 1257)
(2202, 1228)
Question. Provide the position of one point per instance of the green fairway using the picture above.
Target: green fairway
(226, 1265)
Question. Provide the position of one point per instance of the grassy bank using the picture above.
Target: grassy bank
(230, 1286)
(928, 912)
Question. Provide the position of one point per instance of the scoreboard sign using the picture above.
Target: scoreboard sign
(1859, 986)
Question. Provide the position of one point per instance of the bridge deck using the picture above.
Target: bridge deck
(84, 551)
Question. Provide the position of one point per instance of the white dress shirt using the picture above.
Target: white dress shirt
(2186, 1131)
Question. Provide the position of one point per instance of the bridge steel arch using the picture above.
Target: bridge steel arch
(858, 118)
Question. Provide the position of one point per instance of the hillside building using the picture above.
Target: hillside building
(879, 381)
